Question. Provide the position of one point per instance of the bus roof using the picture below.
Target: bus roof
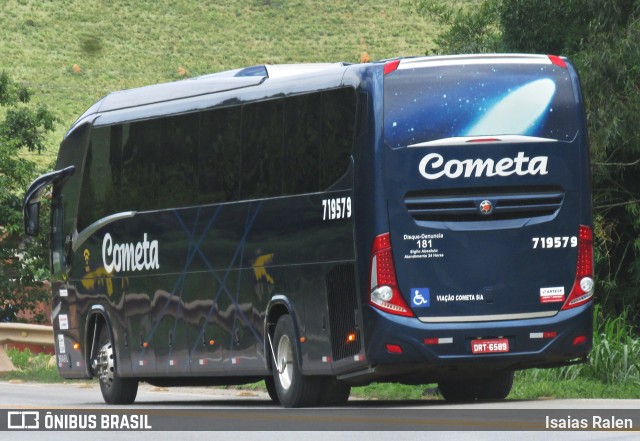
(265, 75)
(211, 83)
(215, 83)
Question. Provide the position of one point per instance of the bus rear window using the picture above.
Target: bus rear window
(432, 103)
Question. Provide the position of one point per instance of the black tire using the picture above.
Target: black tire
(292, 388)
(459, 391)
(498, 387)
(269, 382)
(115, 389)
(495, 387)
(334, 392)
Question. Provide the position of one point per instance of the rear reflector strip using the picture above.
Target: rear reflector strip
(438, 341)
(548, 334)
(394, 349)
(579, 340)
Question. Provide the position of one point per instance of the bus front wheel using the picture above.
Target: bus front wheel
(115, 389)
(293, 388)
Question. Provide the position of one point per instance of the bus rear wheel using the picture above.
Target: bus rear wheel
(334, 392)
(115, 389)
(292, 388)
(496, 387)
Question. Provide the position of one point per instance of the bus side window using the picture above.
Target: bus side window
(175, 160)
(338, 108)
(262, 129)
(303, 142)
(99, 195)
(140, 183)
(219, 155)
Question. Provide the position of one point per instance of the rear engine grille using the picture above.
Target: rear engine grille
(463, 205)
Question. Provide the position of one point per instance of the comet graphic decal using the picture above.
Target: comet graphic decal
(518, 112)
(459, 102)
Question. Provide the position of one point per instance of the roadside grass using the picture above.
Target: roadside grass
(615, 358)
(548, 384)
(32, 368)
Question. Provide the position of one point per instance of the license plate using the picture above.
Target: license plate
(492, 346)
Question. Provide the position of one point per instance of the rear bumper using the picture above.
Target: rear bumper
(447, 353)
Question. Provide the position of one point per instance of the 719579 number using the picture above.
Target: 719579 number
(336, 208)
(555, 242)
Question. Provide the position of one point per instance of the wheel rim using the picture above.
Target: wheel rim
(285, 357)
(105, 364)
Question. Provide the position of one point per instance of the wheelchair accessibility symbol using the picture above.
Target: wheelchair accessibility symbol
(420, 298)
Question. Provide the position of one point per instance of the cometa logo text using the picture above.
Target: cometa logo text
(432, 166)
(129, 256)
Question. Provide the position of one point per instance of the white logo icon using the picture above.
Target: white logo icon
(23, 420)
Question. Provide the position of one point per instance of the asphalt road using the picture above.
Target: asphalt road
(191, 413)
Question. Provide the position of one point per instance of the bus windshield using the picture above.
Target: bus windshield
(427, 104)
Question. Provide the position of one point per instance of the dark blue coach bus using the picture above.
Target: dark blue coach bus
(418, 220)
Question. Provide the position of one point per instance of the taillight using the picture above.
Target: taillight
(582, 290)
(556, 60)
(384, 293)
(390, 66)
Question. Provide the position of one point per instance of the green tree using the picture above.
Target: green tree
(22, 269)
(602, 38)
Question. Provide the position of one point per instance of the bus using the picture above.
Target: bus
(321, 226)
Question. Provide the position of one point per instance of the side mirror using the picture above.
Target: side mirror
(31, 204)
(32, 219)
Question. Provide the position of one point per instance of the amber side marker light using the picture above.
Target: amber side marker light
(351, 338)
